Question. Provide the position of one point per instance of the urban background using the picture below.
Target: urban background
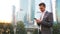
(17, 16)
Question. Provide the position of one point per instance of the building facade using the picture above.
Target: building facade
(58, 10)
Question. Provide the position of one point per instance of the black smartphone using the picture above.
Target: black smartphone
(35, 18)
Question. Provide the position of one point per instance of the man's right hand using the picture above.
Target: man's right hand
(38, 20)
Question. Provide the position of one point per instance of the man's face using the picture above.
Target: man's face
(42, 8)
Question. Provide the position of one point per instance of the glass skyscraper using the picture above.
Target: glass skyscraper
(28, 7)
(58, 10)
(32, 9)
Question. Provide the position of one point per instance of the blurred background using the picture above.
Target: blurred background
(17, 16)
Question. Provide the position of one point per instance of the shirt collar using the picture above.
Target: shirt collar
(43, 12)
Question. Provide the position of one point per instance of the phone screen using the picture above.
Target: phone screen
(35, 18)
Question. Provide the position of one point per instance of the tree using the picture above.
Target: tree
(56, 28)
(35, 31)
(21, 28)
(11, 29)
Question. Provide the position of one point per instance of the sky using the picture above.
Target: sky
(6, 9)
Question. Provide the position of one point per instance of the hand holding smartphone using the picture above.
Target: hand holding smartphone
(35, 18)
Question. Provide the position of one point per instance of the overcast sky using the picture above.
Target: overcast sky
(6, 9)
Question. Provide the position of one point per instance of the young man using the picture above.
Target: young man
(45, 21)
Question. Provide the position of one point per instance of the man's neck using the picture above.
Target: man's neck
(43, 11)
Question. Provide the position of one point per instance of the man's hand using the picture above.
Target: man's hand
(38, 20)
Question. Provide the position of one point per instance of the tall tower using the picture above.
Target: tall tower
(58, 10)
(14, 20)
(54, 9)
(13, 15)
(31, 10)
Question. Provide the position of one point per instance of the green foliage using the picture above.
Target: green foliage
(21, 28)
(35, 31)
(56, 28)
(20, 24)
(11, 29)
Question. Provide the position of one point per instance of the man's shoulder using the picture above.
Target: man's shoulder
(49, 12)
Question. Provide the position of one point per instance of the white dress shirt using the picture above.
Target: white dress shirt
(41, 17)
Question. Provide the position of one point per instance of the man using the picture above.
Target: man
(45, 21)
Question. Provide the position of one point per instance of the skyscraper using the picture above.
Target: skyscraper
(28, 9)
(58, 10)
(23, 8)
(13, 15)
(31, 11)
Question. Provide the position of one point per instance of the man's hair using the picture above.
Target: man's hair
(42, 4)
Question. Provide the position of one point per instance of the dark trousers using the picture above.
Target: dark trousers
(39, 31)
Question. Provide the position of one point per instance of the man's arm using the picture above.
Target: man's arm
(49, 21)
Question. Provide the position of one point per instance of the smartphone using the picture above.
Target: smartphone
(35, 18)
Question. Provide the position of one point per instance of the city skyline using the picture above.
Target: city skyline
(6, 9)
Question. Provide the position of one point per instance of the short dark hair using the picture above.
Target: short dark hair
(42, 4)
